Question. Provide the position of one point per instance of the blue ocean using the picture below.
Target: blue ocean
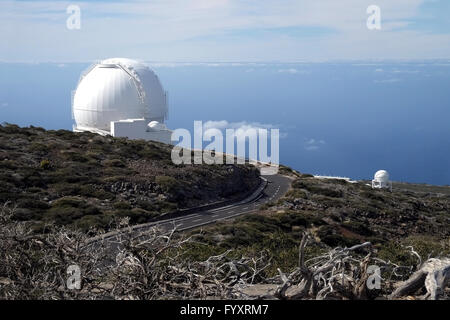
(344, 119)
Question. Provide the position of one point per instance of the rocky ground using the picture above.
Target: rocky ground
(339, 213)
(62, 184)
(86, 180)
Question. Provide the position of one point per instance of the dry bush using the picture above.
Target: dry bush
(144, 265)
(34, 266)
(342, 274)
(149, 264)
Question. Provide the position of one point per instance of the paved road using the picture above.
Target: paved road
(275, 188)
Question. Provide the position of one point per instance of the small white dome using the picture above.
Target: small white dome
(381, 176)
(156, 126)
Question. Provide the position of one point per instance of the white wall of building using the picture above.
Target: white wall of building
(137, 129)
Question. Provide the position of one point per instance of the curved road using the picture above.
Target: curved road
(275, 188)
(272, 188)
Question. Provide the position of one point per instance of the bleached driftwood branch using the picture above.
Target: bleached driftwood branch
(320, 276)
(153, 265)
(434, 274)
(338, 274)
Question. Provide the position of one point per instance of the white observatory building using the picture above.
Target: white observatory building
(122, 98)
(381, 180)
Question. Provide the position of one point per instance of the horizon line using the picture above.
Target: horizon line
(243, 62)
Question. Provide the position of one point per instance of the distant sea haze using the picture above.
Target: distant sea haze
(342, 119)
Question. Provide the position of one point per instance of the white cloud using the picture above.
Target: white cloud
(293, 71)
(242, 128)
(155, 64)
(224, 124)
(312, 144)
(314, 141)
(312, 148)
(212, 30)
(4, 104)
(290, 70)
(393, 80)
(406, 71)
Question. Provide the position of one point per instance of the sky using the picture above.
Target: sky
(224, 30)
(348, 100)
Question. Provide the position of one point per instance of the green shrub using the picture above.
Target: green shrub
(113, 179)
(8, 164)
(64, 134)
(92, 191)
(67, 210)
(12, 129)
(24, 214)
(35, 190)
(74, 156)
(158, 206)
(9, 196)
(358, 227)
(299, 184)
(428, 245)
(94, 155)
(295, 193)
(32, 204)
(117, 171)
(122, 205)
(114, 163)
(312, 187)
(168, 184)
(331, 236)
(373, 195)
(337, 181)
(136, 215)
(394, 251)
(93, 221)
(326, 192)
(68, 202)
(39, 148)
(45, 164)
(243, 235)
(67, 189)
(200, 250)
(63, 215)
(32, 178)
(299, 218)
(284, 170)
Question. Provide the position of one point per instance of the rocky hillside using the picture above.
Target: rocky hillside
(86, 180)
(83, 180)
(339, 213)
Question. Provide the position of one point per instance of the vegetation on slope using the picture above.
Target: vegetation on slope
(85, 180)
(336, 213)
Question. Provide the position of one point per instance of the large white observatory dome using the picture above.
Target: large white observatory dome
(117, 89)
(381, 176)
